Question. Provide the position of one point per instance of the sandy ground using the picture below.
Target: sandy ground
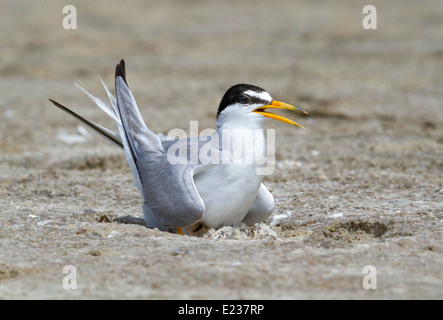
(361, 185)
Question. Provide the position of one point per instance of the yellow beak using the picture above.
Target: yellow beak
(279, 105)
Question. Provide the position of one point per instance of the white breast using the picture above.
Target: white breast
(228, 189)
(228, 192)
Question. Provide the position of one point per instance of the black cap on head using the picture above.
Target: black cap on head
(235, 94)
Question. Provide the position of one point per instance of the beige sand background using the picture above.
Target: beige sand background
(361, 185)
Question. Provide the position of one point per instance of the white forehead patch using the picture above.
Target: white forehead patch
(260, 95)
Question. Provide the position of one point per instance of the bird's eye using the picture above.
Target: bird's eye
(242, 99)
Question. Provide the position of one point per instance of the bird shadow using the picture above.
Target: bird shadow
(131, 220)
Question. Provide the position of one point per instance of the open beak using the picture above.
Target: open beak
(279, 105)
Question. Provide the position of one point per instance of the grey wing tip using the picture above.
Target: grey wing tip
(120, 71)
(62, 107)
(58, 104)
(107, 134)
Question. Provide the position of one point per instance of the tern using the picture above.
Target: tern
(181, 194)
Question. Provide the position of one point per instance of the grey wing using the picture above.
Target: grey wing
(261, 208)
(167, 188)
(201, 150)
